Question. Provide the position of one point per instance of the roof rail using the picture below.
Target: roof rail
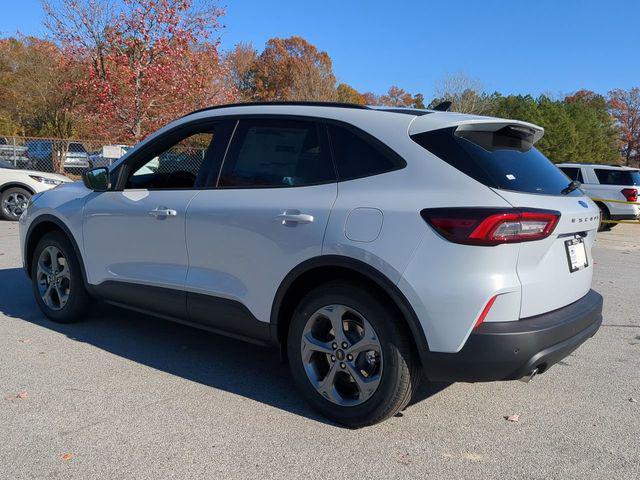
(308, 104)
(595, 164)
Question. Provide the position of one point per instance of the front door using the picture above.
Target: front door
(134, 236)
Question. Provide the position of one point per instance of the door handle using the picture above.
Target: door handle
(288, 218)
(163, 212)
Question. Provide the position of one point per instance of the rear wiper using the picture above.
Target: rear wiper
(573, 185)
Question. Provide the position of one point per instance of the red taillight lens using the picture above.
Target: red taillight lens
(491, 226)
(631, 194)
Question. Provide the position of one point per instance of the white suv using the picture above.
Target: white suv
(17, 186)
(608, 182)
(369, 244)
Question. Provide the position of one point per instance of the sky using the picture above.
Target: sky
(536, 46)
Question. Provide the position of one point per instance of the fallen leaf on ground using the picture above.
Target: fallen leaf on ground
(512, 418)
(67, 456)
(25, 340)
(476, 457)
(22, 395)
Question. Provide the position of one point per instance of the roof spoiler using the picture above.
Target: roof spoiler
(465, 122)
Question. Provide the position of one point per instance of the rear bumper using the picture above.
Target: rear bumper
(510, 350)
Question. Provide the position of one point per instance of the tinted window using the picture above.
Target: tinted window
(357, 157)
(573, 173)
(618, 177)
(77, 147)
(504, 159)
(4, 164)
(178, 166)
(276, 153)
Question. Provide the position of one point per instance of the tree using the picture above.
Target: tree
(396, 97)
(625, 108)
(596, 134)
(560, 137)
(34, 94)
(465, 94)
(347, 94)
(241, 62)
(293, 69)
(147, 61)
(418, 101)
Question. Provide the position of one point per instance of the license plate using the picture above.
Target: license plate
(576, 254)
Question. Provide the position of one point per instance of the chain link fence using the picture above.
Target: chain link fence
(69, 157)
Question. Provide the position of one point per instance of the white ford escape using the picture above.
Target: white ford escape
(374, 246)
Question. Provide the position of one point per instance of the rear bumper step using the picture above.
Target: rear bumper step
(513, 350)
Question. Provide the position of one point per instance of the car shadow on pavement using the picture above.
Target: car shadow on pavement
(231, 365)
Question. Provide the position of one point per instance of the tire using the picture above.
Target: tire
(13, 202)
(69, 302)
(396, 371)
(604, 215)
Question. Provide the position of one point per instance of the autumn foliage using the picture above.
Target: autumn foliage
(146, 64)
(117, 71)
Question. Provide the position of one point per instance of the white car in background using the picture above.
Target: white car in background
(608, 182)
(17, 186)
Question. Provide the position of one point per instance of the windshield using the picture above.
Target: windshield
(627, 178)
(504, 159)
(4, 164)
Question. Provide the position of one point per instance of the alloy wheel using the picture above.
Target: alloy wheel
(342, 355)
(53, 278)
(14, 204)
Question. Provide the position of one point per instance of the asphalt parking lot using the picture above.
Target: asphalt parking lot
(128, 396)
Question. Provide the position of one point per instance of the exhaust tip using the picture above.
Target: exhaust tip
(529, 376)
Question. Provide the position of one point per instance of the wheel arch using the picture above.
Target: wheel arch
(6, 186)
(603, 206)
(318, 270)
(38, 228)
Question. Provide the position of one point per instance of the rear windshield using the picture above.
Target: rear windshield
(504, 159)
(618, 177)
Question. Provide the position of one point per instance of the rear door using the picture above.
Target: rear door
(554, 271)
(265, 214)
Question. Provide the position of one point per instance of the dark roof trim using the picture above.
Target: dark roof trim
(307, 104)
(407, 111)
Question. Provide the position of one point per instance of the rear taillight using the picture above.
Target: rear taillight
(631, 194)
(491, 226)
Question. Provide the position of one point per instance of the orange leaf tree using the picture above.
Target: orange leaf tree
(146, 62)
(625, 108)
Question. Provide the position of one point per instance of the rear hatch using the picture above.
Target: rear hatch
(554, 271)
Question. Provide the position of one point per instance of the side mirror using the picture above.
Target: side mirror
(97, 179)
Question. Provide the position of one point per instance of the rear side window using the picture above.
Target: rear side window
(276, 153)
(504, 159)
(573, 173)
(357, 157)
(618, 177)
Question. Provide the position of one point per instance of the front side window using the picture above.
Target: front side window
(627, 178)
(276, 153)
(504, 159)
(175, 167)
(356, 157)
